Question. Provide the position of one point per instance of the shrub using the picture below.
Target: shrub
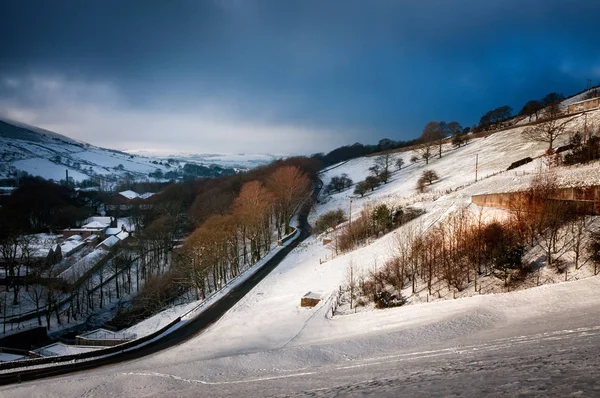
(399, 163)
(372, 182)
(361, 189)
(331, 219)
(421, 185)
(385, 299)
(339, 183)
(382, 218)
(356, 233)
(427, 178)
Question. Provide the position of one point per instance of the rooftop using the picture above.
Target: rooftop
(313, 295)
(129, 194)
(110, 241)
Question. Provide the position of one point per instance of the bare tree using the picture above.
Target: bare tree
(531, 108)
(594, 248)
(425, 151)
(35, 293)
(399, 163)
(120, 262)
(289, 185)
(550, 127)
(429, 176)
(13, 249)
(53, 290)
(435, 133)
(552, 99)
(577, 232)
(352, 282)
(253, 206)
(384, 163)
(361, 189)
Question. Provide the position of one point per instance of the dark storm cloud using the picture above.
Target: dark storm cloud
(338, 70)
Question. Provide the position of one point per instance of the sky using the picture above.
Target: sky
(283, 77)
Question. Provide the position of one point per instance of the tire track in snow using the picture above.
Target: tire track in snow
(494, 345)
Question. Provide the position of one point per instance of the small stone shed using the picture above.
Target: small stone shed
(310, 299)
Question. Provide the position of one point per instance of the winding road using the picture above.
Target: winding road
(192, 328)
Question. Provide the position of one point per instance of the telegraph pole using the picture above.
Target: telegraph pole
(350, 215)
(476, 165)
(588, 84)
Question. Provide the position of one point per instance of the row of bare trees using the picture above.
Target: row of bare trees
(221, 247)
(456, 252)
(435, 134)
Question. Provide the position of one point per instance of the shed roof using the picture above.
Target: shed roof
(110, 241)
(129, 194)
(122, 235)
(95, 225)
(313, 295)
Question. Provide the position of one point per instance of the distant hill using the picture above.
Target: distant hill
(22, 131)
(39, 152)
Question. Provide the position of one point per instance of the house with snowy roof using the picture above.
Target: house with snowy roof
(129, 194)
(85, 231)
(125, 201)
(108, 243)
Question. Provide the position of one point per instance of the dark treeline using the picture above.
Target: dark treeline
(37, 205)
(356, 150)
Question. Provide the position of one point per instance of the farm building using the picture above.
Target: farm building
(585, 105)
(310, 299)
(127, 200)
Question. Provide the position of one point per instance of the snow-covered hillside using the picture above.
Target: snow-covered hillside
(456, 169)
(270, 316)
(43, 153)
(232, 160)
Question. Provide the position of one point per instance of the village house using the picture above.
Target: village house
(125, 201)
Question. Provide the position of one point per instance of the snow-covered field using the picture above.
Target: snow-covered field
(369, 346)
